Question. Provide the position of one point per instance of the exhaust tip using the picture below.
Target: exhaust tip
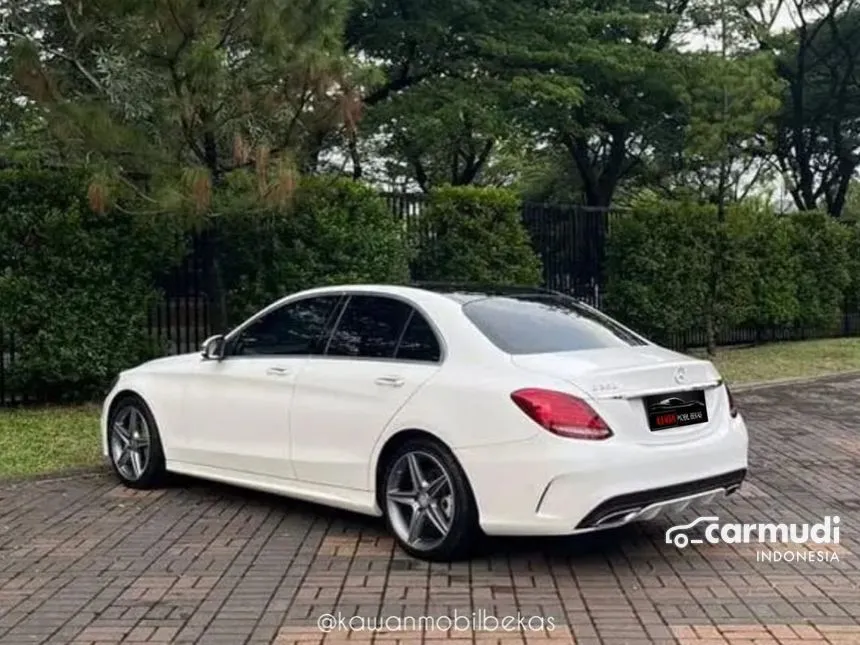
(620, 517)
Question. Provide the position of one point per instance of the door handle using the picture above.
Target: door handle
(278, 371)
(390, 381)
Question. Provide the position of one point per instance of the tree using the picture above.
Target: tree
(158, 88)
(163, 100)
(432, 111)
(730, 96)
(442, 131)
(817, 142)
(729, 114)
(729, 105)
(458, 81)
(600, 81)
(409, 41)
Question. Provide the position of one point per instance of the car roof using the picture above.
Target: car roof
(462, 293)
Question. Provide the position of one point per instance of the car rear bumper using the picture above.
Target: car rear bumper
(648, 504)
(554, 486)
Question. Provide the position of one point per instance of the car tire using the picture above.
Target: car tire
(134, 444)
(451, 505)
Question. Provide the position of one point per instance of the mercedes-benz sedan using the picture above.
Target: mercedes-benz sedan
(447, 410)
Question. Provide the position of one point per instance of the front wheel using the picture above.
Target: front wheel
(428, 503)
(135, 445)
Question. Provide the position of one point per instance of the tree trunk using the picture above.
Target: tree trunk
(711, 309)
(355, 156)
(215, 288)
(216, 293)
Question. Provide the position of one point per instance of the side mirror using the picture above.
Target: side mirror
(213, 348)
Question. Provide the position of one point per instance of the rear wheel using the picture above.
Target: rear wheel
(135, 445)
(428, 503)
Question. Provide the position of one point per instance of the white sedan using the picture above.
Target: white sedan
(447, 410)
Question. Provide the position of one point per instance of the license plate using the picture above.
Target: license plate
(676, 410)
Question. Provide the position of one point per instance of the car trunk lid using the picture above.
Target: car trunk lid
(622, 380)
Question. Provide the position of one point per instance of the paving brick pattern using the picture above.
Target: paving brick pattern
(83, 560)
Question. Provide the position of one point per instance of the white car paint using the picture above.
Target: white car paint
(340, 410)
(314, 427)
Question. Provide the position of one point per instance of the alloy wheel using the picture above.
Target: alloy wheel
(420, 500)
(131, 443)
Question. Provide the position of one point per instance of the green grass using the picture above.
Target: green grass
(788, 360)
(46, 440)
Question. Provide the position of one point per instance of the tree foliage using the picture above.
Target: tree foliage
(581, 101)
(169, 96)
(600, 81)
(443, 131)
(729, 105)
(817, 140)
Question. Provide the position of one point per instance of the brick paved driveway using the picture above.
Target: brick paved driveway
(83, 560)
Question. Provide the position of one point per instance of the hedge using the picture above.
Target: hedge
(335, 231)
(658, 260)
(823, 277)
(75, 286)
(795, 270)
(759, 286)
(853, 298)
(476, 235)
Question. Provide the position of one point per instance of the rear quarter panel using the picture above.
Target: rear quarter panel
(467, 407)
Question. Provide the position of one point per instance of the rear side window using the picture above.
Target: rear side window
(419, 342)
(544, 324)
(370, 327)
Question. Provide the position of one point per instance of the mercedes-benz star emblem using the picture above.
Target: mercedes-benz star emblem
(680, 375)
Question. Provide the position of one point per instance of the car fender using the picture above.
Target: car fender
(162, 397)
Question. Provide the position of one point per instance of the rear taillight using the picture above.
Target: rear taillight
(562, 414)
(733, 408)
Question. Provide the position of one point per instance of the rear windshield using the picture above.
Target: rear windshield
(540, 324)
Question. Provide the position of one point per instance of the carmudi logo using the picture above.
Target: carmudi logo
(708, 529)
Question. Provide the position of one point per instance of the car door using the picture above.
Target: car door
(236, 411)
(382, 350)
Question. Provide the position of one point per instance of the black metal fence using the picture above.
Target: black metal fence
(570, 241)
(181, 321)
(848, 326)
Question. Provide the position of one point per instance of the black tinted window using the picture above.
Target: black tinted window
(294, 329)
(370, 327)
(541, 324)
(419, 343)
